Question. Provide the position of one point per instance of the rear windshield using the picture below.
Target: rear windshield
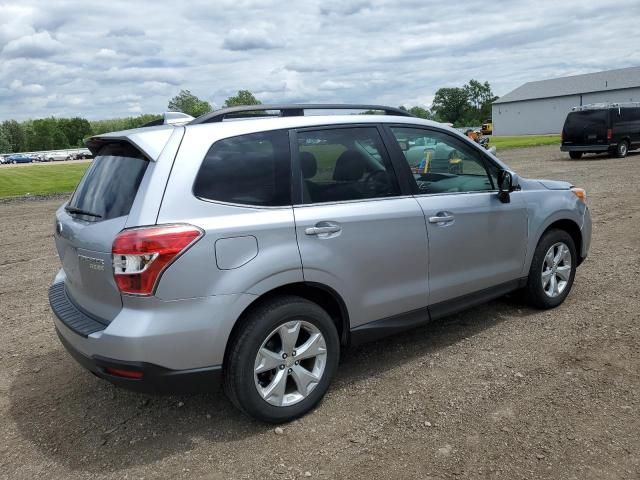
(588, 118)
(109, 186)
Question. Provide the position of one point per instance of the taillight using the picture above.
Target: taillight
(140, 255)
(609, 134)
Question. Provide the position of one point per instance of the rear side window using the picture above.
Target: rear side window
(111, 183)
(344, 164)
(252, 169)
(588, 118)
(629, 115)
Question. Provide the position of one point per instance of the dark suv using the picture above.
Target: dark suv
(613, 128)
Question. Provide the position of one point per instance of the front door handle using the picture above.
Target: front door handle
(442, 218)
(322, 228)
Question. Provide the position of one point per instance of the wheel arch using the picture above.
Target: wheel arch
(318, 293)
(572, 228)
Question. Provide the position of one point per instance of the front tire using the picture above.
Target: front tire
(575, 155)
(552, 270)
(622, 149)
(282, 361)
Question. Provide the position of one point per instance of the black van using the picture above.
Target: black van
(613, 128)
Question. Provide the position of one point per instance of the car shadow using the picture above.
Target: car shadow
(89, 425)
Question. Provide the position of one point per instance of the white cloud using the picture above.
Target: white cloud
(134, 108)
(259, 38)
(118, 58)
(333, 85)
(106, 54)
(30, 89)
(36, 45)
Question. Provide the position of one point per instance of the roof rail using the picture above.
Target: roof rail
(289, 110)
(595, 106)
(170, 118)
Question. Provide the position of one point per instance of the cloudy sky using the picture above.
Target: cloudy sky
(119, 58)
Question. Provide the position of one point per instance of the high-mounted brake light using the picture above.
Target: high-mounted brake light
(140, 255)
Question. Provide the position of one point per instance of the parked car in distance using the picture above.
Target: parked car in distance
(57, 156)
(82, 155)
(19, 158)
(275, 242)
(601, 128)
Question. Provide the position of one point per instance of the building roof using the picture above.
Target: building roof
(575, 85)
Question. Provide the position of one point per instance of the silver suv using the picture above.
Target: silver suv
(252, 245)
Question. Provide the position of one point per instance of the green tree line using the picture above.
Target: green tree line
(60, 133)
(462, 106)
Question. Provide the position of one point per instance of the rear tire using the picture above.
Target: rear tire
(575, 155)
(261, 347)
(622, 149)
(552, 270)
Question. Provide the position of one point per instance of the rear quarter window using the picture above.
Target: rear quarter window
(629, 115)
(253, 169)
(588, 118)
(111, 183)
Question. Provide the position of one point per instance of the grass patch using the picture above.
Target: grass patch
(40, 179)
(523, 141)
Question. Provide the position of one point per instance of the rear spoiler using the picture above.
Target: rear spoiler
(150, 139)
(170, 118)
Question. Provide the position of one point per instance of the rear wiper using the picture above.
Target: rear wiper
(81, 212)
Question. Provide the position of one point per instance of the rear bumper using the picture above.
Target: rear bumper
(154, 379)
(587, 148)
(173, 342)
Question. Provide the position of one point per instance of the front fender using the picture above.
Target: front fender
(546, 207)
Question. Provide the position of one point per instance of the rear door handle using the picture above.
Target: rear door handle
(442, 218)
(322, 229)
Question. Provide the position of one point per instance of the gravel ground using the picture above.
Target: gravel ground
(500, 391)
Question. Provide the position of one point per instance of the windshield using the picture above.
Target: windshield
(109, 186)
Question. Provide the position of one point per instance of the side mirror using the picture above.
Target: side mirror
(505, 186)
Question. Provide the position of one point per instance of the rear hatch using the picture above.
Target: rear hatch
(586, 127)
(87, 225)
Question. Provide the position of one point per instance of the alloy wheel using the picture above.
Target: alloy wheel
(290, 363)
(556, 269)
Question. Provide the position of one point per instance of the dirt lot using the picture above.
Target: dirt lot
(500, 391)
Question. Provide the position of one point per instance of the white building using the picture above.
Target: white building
(541, 107)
